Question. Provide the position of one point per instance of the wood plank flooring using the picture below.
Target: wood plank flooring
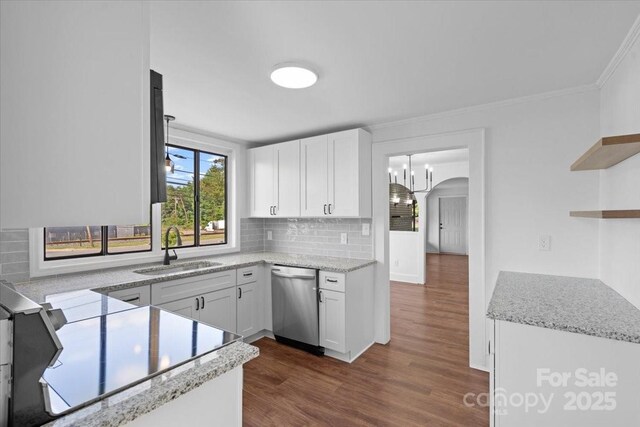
(418, 379)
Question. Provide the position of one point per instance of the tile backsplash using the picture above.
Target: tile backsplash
(14, 255)
(308, 236)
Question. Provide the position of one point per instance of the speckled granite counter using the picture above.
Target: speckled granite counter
(126, 277)
(584, 306)
(151, 394)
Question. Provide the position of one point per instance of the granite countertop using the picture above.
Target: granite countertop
(125, 277)
(584, 306)
(133, 402)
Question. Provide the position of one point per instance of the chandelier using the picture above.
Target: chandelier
(428, 174)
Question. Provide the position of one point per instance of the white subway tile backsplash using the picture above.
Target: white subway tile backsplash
(14, 255)
(307, 236)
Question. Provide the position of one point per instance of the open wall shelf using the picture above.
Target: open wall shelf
(607, 214)
(607, 152)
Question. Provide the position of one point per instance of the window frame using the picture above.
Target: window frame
(104, 242)
(196, 200)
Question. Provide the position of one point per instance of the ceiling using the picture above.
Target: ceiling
(377, 61)
(433, 158)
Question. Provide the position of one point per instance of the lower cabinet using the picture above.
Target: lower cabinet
(219, 309)
(546, 377)
(140, 295)
(332, 320)
(216, 308)
(346, 312)
(248, 306)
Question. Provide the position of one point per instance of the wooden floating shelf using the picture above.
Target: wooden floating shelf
(607, 214)
(607, 152)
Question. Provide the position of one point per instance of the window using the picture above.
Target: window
(93, 240)
(197, 207)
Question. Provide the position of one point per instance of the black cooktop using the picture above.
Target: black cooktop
(111, 352)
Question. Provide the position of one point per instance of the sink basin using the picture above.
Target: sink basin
(176, 268)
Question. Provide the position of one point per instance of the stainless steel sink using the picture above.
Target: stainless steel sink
(176, 268)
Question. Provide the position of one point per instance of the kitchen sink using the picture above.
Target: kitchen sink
(176, 268)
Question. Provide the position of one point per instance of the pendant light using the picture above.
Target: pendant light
(168, 163)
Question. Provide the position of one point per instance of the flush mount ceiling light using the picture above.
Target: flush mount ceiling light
(293, 76)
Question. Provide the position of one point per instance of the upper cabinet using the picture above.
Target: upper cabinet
(74, 140)
(336, 175)
(275, 180)
(327, 175)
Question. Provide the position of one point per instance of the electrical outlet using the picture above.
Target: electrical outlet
(269, 235)
(343, 238)
(544, 243)
(365, 229)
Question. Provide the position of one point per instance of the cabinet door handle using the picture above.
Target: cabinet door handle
(325, 209)
(330, 209)
(202, 302)
(275, 210)
(239, 293)
(332, 280)
(197, 304)
(320, 296)
(247, 274)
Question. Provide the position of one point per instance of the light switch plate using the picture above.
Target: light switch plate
(544, 243)
(365, 229)
(343, 238)
(269, 235)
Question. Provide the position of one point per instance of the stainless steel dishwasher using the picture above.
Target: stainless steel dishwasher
(294, 300)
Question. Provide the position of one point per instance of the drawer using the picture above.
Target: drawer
(332, 281)
(140, 295)
(247, 275)
(193, 286)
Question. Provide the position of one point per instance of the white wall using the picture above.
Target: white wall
(406, 254)
(620, 184)
(433, 213)
(529, 146)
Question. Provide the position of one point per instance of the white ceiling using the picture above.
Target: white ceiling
(377, 61)
(433, 158)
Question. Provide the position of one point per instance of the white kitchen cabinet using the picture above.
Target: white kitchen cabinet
(538, 378)
(216, 308)
(174, 290)
(249, 313)
(275, 180)
(336, 175)
(75, 108)
(332, 320)
(185, 307)
(314, 173)
(219, 309)
(346, 312)
(140, 295)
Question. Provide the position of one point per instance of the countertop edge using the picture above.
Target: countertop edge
(536, 299)
(147, 396)
(612, 334)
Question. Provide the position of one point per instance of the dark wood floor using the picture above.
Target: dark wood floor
(418, 379)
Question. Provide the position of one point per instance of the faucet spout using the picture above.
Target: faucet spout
(168, 258)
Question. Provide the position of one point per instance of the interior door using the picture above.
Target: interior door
(453, 225)
(314, 176)
(344, 174)
(287, 186)
(248, 313)
(263, 172)
(219, 309)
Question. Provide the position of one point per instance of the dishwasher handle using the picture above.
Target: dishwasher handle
(277, 273)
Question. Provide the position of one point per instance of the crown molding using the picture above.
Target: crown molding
(484, 107)
(621, 53)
